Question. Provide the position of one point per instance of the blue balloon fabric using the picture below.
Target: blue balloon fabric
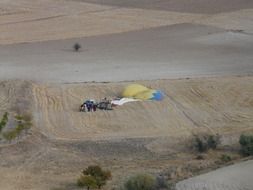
(141, 92)
(157, 95)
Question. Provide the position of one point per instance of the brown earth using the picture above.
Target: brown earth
(191, 6)
(43, 20)
(189, 104)
(63, 141)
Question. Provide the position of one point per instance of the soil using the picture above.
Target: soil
(63, 141)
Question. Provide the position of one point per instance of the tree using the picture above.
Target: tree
(204, 142)
(87, 181)
(161, 182)
(95, 174)
(4, 121)
(246, 142)
(77, 47)
(141, 182)
(213, 141)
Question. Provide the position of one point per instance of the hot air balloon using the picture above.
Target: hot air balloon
(138, 91)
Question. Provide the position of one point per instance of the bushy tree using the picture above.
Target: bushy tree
(87, 181)
(77, 47)
(204, 142)
(141, 182)
(213, 141)
(161, 182)
(246, 142)
(10, 135)
(4, 121)
(94, 174)
(225, 158)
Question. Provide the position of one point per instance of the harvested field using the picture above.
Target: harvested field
(178, 51)
(56, 20)
(191, 6)
(64, 140)
(192, 104)
(51, 20)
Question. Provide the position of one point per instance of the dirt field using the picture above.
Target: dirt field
(51, 20)
(204, 104)
(178, 51)
(64, 140)
(196, 6)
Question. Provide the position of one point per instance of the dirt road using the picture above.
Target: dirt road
(235, 177)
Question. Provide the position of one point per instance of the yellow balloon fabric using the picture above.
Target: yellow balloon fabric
(141, 92)
(145, 95)
(133, 89)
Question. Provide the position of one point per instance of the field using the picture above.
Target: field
(65, 140)
(199, 54)
(52, 20)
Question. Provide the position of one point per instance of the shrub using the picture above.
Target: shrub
(18, 117)
(213, 141)
(94, 173)
(246, 142)
(161, 182)
(21, 125)
(225, 158)
(200, 144)
(204, 142)
(200, 157)
(10, 135)
(87, 181)
(27, 117)
(171, 186)
(4, 121)
(19, 128)
(141, 182)
(77, 47)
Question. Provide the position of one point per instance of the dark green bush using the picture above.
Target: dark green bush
(141, 182)
(246, 142)
(225, 158)
(4, 121)
(213, 141)
(204, 142)
(22, 124)
(87, 181)
(94, 173)
(18, 117)
(161, 183)
(10, 135)
(200, 157)
(77, 47)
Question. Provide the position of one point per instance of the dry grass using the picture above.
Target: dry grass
(51, 20)
(127, 139)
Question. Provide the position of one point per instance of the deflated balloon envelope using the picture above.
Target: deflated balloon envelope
(141, 92)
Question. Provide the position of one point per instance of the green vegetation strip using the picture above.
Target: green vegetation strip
(23, 122)
(4, 121)
(246, 142)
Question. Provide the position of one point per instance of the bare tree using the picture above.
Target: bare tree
(77, 47)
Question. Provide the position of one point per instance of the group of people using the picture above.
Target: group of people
(92, 105)
(89, 106)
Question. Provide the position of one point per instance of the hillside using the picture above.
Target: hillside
(131, 136)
